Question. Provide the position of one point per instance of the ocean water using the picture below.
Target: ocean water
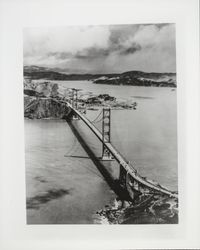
(64, 182)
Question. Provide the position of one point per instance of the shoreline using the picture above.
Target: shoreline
(158, 210)
(107, 84)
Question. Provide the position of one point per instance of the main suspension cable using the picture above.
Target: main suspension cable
(72, 148)
(98, 120)
(97, 117)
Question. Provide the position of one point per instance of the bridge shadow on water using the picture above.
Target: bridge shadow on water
(114, 184)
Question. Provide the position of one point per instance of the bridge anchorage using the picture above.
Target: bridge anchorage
(129, 179)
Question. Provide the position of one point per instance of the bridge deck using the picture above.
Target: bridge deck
(120, 159)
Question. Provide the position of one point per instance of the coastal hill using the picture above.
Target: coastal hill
(35, 72)
(132, 78)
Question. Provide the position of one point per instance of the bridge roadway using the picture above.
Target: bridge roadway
(120, 159)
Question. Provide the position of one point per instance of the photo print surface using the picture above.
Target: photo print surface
(100, 114)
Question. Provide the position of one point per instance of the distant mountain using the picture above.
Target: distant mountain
(35, 72)
(134, 78)
(139, 78)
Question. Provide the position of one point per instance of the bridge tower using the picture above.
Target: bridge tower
(75, 98)
(106, 134)
(75, 101)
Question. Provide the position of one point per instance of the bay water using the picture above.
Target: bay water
(63, 183)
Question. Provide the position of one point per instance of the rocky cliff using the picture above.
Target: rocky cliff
(38, 108)
(154, 210)
(42, 101)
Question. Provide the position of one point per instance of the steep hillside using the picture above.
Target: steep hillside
(43, 101)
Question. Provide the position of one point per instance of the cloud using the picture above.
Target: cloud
(64, 39)
(102, 49)
(131, 49)
(92, 53)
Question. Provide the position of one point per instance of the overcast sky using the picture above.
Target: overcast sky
(102, 49)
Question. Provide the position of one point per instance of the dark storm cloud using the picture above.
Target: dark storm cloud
(130, 50)
(94, 53)
(116, 44)
(119, 35)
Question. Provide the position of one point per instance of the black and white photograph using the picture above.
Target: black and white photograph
(100, 124)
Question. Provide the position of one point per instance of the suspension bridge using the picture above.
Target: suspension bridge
(134, 183)
(129, 178)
